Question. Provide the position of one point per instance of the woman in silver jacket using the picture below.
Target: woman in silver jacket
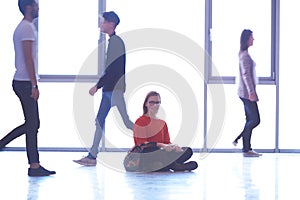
(247, 93)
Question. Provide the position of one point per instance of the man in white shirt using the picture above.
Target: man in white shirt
(25, 86)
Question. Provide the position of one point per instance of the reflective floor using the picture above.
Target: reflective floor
(219, 176)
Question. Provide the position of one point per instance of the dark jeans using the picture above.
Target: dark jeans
(32, 121)
(161, 160)
(252, 120)
(109, 99)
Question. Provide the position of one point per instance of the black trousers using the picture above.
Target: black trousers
(252, 120)
(32, 122)
(155, 159)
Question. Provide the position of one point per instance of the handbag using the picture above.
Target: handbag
(133, 159)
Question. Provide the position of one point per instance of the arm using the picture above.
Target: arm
(139, 132)
(27, 49)
(167, 145)
(113, 72)
(115, 62)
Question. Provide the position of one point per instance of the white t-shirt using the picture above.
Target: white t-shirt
(24, 31)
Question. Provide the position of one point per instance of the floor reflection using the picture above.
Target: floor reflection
(249, 183)
(219, 176)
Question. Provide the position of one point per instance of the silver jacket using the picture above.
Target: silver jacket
(247, 76)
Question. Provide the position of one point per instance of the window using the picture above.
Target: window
(177, 18)
(289, 76)
(68, 38)
(225, 29)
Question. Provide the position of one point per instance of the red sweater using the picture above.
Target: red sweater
(147, 129)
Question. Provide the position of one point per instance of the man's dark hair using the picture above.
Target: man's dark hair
(23, 3)
(111, 16)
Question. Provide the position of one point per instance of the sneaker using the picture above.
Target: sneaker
(41, 171)
(259, 154)
(251, 153)
(86, 161)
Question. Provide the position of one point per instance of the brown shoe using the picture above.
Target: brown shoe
(251, 153)
(257, 153)
(86, 161)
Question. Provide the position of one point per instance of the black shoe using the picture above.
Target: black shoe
(41, 171)
(189, 166)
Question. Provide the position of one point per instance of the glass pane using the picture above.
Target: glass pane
(186, 18)
(58, 125)
(167, 74)
(227, 26)
(68, 37)
(289, 76)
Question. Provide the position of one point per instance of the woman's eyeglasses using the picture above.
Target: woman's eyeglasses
(154, 102)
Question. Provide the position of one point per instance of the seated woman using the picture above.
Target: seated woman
(164, 156)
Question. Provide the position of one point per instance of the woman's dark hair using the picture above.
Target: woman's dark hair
(150, 94)
(246, 34)
(23, 3)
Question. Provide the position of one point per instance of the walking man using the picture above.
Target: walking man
(112, 83)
